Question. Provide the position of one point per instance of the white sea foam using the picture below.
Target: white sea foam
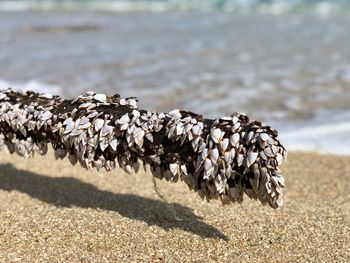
(33, 85)
(120, 6)
(326, 138)
(275, 7)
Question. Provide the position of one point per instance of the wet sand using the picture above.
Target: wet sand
(51, 211)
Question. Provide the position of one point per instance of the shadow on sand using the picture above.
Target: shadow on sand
(69, 191)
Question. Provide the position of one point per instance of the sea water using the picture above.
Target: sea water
(290, 69)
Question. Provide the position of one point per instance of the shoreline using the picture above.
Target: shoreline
(51, 210)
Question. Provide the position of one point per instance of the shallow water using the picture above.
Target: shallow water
(289, 70)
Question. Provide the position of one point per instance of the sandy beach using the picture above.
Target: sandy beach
(51, 211)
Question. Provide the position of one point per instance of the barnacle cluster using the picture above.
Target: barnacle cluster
(219, 159)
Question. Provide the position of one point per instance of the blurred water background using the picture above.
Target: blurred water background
(284, 62)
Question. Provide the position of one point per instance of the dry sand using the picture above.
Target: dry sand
(51, 211)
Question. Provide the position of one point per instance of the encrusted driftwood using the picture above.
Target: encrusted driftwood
(220, 158)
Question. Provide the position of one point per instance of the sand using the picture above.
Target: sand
(51, 211)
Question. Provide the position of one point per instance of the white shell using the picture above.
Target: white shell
(196, 129)
(224, 144)
(188, 127)
(69, 126)
(236, 126)
(107, 129)
(179, 128)
(204, 153)
(208, 164)
(214, 155)
(114, 144)
(226, 118)
(128, 169)
(251, 158)
(46, 96)
(124, 119)
(264, 137)
(250, 136)
(175, 114)
(100, 97)
(47, 115)
(92, 115)
(279, 158)
(240, 158)
(234, 119)
(103, 145)
(216, 135)
(76, 132)
(174, 168)
(98, 124)
(149, 137)
(139, 134)
(135, 113)
(228, 157)
(85, 125)
(234, 139)
(268, 152)
(84, 120)
(263, 155)
(184, 169)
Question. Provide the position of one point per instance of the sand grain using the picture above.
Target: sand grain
(51, 211)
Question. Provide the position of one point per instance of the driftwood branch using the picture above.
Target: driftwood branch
(222, 158)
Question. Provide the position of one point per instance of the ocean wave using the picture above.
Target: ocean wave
(273, 6)
(325, 138)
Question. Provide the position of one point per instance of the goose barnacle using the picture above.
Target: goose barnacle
(234, 139)
(98, 137)
(217, 135)
(196, 129)
(100, 97)
(223, 144)
(251, 157)
(268, 152)
(46, 96)
(149, 137)
(239, 159)
(138, 136)
(98, 124)
(236, 126)
(214, 155)
(3, 96)
(174, 168)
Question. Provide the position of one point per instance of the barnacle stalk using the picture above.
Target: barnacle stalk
(219, 159)
(168, 205)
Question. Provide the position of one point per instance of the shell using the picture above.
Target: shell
(224, 144)
(69, 126)
(46, 96)
(47, 115)
(234, 139)
(216, 135)
(124, 119)
(107, 129)
(196, 129)
(251, 157)
(98, 124)
(174, 168)
(214, 155)
(114, 144)
(100, 97)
